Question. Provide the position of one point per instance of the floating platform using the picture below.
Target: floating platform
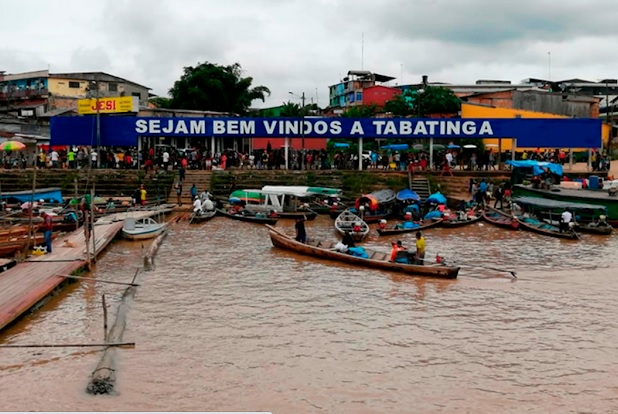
(26, 284)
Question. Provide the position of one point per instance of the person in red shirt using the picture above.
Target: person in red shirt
(47, 227)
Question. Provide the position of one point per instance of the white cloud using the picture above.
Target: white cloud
(301, 46)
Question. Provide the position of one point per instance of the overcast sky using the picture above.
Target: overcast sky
(306, 45)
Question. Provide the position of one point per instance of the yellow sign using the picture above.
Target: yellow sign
(108, 105)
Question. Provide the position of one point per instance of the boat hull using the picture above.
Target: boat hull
(546, 231)
(251, 219)
(143, 234)
(393, 231)
(460, 223)
(205, 216)
(500, 219)
(345, 223)
(285, 242)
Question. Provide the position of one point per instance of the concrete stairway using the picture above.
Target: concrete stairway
(200, 178)
(421, 187)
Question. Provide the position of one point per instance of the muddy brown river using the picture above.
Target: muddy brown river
(226, 322)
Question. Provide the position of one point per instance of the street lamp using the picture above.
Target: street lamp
(302, 128)
(419, 93)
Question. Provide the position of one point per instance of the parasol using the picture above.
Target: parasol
(470, 146)
(12, 146)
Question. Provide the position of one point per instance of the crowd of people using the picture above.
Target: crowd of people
(201, 158)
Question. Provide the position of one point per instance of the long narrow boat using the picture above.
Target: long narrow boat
(601, 229)
(422, 226)
(346, 222)
(377, 260)
(202, 217)
(459, 222)
(540, 227)
(500, 218)
(244, 215)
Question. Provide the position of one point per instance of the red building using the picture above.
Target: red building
(378, 95)
(295, 143)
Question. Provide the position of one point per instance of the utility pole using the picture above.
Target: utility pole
(302, 130)
(98, 127)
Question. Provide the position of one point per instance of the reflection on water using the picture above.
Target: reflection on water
(228, 322)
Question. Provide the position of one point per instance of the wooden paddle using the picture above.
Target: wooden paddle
(511, 272)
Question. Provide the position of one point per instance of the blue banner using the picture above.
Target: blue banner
(124, 131)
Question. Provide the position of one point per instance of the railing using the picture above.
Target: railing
(23, 93)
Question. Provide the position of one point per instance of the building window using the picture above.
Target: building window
(359, 96)
(113, 87)
(74, 84)
(139, 95)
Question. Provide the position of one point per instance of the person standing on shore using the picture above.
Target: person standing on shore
(142, 193)
(179, 192)
(47, 227)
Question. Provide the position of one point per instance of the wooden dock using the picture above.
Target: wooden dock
(27, 283)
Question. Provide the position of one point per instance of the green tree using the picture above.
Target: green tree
(438, 100)
(211, 87)
(401, 105)
(294, 110)
(161, 102)
(361, 111)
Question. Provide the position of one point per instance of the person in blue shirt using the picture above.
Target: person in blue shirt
(482, 194)
(193, 191)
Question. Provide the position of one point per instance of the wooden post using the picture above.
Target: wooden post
(31, 208)
(104, 318)
(92, 235)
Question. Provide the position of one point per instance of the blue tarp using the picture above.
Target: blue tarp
(437, 198)
(396, 147)
(53, 195)
(408, 195)
(537, 166)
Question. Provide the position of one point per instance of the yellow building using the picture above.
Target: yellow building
(482, 111)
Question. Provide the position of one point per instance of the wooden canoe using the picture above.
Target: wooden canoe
(345, 223)
(591, 228)
(245, 215)
(458, 222)
(15, 230)
(540, 227)
(308, 214)
(424, 225)
(500, 218)
(204, 216)
(377, 260)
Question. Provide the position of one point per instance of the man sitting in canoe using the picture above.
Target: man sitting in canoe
(399, 253)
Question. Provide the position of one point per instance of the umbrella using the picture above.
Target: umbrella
(438, 146)
(417, 146)
(491, 145)
(470, 146)
(341, 145)
(12, 146)
(452, 146)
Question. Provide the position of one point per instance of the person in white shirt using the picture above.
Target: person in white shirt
(93, 158)
(54, 159)
(166, 160)
(197, 206)
(565, 220)
(208, 205)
